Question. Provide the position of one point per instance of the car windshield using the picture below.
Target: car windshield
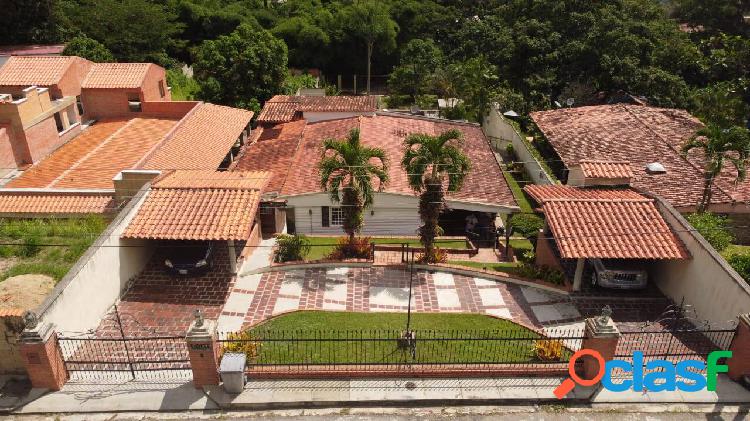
(185, 252)
(623, 264)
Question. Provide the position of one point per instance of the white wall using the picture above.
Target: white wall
(707, 282)
(500, 132)
(312, 117)
(94, 284)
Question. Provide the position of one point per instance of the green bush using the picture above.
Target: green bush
(357, 248)
(713, 228)
(31, 247)
(545, 273)
(526, 224)
(741, 263)
(290, 248)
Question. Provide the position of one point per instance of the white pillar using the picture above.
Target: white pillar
(579, 274)
(232, 256)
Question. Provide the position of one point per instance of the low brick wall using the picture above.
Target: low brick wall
(11, 326)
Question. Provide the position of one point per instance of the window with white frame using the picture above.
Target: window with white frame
(337, 216)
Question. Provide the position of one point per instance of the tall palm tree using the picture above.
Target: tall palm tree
(720, 145)
(429, 161)
(347, 169)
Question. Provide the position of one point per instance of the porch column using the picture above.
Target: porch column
(577, 280)
(739, 364)
(42, 357)
(232, 256)
(204, 351)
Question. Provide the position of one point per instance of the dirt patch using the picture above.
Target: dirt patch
(25, 291)
(6, 263)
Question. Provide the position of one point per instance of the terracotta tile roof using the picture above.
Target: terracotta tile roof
(274, 151)
(633, 133)
(606, 223)
(202, 140)
(606, 169)
(11, 312)
(282, 108)
(197, 212)
(35, 70)
(54, 203)
(484, 184)
(202, 179)
(116, 75)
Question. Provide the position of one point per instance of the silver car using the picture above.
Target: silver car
(618, 273)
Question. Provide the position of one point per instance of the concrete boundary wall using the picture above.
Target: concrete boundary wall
(501, 132)
(706, 281)
(93, 285)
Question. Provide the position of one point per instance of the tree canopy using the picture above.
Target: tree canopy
(88, 48)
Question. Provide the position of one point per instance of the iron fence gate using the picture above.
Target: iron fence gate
(390, 352)
(156, 357)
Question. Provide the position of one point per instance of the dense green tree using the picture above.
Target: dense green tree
(714, 228)
(431, 162)
(306, 41)
(32, 21)
(133, 30)
(88, 48)
(419, 60)
(347, 169)
(721, 103)
(370, 21)
(713, 15)
(242, 69)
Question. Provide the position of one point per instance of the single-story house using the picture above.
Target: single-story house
(291, 151)
(286, 108)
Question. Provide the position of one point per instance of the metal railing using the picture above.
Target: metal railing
(673, 344)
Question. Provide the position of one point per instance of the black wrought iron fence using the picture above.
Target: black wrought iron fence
(674, 345)
(384, 349)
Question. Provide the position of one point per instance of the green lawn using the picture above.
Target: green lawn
(508, 267)
(523, 200)
(371, 338)
(322, 246)
(45, 246)
(734, 250)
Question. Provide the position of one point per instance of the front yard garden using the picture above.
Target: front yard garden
(45, 246)
(320, 247)
(308, 337)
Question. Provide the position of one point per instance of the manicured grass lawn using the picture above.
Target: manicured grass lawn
(508, 267)
(734, 250)
(45, 246)
(371, 338)
(323, 246)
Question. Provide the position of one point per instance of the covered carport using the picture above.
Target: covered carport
(603, 223)
(218, 207)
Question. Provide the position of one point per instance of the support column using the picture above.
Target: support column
(602, 336)
(578, 279)
(739, 364)
(232, 257)
(203, 350)
(42, 356)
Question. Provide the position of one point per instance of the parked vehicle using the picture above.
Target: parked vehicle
(188, 258)
(619, 273)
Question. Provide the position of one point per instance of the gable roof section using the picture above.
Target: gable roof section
(606, 223)
(35, 70)
(484, 184)
(199, 205)
(633, 133)
(606, 169)
(54, 203)
(283, 108)
(202, 140)
(116, 75)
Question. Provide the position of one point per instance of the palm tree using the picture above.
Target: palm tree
(346, 172)
(720, 145)
(429, 161)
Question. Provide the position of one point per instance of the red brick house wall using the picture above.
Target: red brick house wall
(150, 86)
(70, 83)
(101, 103)
(7, 157)
(43, 138)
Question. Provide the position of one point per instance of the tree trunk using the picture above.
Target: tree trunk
(369, 64)
(430, 207)
(706, 199)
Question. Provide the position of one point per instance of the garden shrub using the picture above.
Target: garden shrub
(548, 349)
(528, 256)
(438, 256)
(545, 273)
(526, 224)
(713, 228)
(741, 263)
(242, 343)
(291, 248)
(30, 247)
(356, 248)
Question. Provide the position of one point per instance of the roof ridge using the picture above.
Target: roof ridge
(608, 200)
(297, 149)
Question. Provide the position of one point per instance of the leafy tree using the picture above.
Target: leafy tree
(241, 69)
(722, 104)
(347, 169)
(184, 88)
(713, 228)
(419, 59)
(370, 21)
(741, 263)
(429, 161)
(88, 48)
(714, 15)
(718, 146)
(133, 30)
(306, 40)
(32, 21)
(293, 83)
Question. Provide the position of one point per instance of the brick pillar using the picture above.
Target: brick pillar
(204, 352)
(739, 364)
(42, 357)
(601, 335)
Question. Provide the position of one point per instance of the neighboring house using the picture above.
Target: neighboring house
(117, 89)
(648, 141)
(285, 108)
(291, 152)
(7, 51)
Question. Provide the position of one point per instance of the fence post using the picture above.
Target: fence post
(739, 364)
(602, 336)
(203, 349)
(42, 356)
